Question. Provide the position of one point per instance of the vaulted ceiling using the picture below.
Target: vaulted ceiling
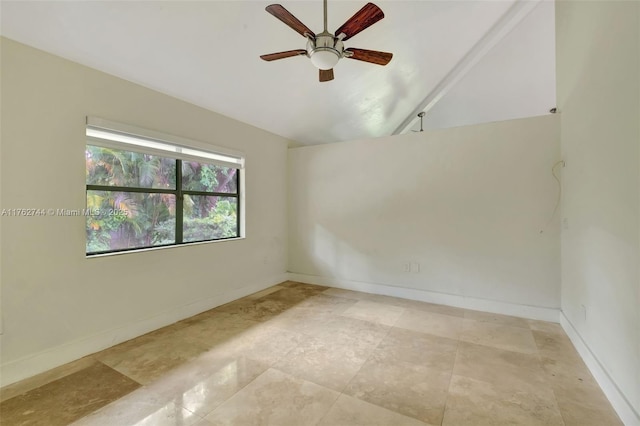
(462, 62)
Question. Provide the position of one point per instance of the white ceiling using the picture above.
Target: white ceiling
(462, 61)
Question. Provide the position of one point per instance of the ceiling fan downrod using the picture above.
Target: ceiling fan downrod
(325, 16)
(421, 115)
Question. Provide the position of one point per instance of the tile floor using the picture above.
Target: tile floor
(297, 354)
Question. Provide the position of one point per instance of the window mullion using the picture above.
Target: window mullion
(129, 189)
(179, 203)
(211, 194)
(238, 207)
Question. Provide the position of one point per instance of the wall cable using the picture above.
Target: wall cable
(555, 209)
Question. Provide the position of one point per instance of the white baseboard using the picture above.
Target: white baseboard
(40, 362)
(618, 400)
(477, 304)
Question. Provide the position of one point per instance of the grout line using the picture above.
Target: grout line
(555, 398)
(330, 408)
(233, 394)
(362, 365)
(453, 367)
(547, 380)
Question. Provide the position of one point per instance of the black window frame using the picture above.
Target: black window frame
(179, 193)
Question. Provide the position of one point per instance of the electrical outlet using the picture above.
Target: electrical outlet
(565, 223)
(415, 267)
(406, 267)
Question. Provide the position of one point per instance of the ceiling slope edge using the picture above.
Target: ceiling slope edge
(506, 23)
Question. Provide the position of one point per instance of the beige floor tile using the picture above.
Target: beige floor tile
(202, 385)
(399, 302)
(497, 319)
(324, 303)
(335, 353)
(409, 389)
(265, 292)
(431, 323)
(566, 372)
(555, 345)
(305, 321)
(342, 328)
(229, 335)
(432, 307)
(358, 295)
(348, 294)
(65, 400)
(261, 309)
(349, 411)
(148, 361)
(584, 404)
(263, 343)
(329, 362)
(549, 327)
(417, 348)
(42, 379)
(309, 287)
(296, 294)
(387, 300)
(473, 402)
(140, 408)
(199, 317)
(272, 304)
(203, 422)
(581, 401)
(275, 398)
(374, 312)
(508, 369)
(499, 336)
(216, 327)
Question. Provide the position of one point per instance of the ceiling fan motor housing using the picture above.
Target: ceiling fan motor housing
(325, 50)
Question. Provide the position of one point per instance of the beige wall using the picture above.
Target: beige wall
(467, 204)
(58, 305)
(598, 87)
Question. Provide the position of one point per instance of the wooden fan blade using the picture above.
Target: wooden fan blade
(282, 55)
(326, 75)
(363, 19)
(285, 16)
(373, 56)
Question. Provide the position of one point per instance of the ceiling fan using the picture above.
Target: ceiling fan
(326, 49)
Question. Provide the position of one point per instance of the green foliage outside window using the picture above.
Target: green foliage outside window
(133, 202)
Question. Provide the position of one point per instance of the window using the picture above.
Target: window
(148, 190)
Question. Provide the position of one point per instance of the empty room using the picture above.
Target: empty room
(320, 212)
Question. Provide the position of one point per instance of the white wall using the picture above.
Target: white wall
(58, 305)
(598, 54)
(467, 204)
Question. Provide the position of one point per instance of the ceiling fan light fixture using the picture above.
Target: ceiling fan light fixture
(324, 58)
